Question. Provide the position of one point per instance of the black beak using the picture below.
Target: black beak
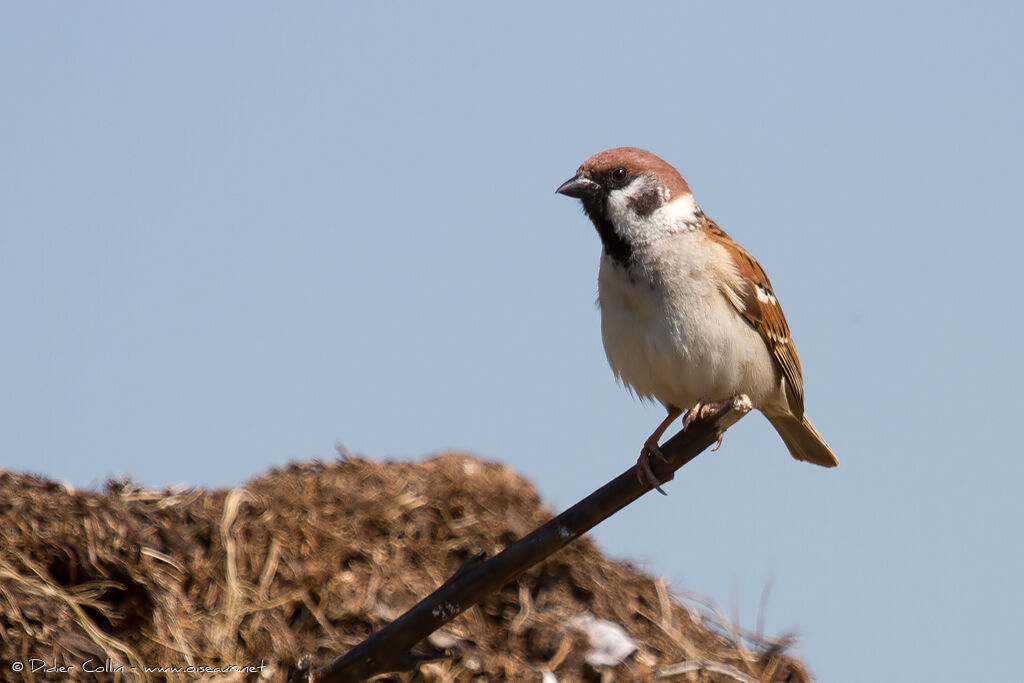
(579, 186)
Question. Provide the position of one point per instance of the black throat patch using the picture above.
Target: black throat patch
(615, 246)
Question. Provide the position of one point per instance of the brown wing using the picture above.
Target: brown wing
(753, 297)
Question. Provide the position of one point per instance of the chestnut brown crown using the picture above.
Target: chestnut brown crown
(620, 165)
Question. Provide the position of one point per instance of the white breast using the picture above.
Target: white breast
(670, 334)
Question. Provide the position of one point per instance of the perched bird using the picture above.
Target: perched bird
(688, 317)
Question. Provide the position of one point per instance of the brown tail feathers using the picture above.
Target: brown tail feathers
(803, 440)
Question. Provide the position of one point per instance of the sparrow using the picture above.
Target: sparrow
(688, 316)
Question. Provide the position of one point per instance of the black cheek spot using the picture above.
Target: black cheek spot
(644, 204)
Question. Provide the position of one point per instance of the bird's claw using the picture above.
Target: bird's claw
(721, 435)
(643, 466)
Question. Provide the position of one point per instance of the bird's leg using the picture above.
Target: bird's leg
(703, 408)
(651, 447)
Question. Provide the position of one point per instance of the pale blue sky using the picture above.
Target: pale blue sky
(232, 235)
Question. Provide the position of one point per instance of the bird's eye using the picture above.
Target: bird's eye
(619, 176)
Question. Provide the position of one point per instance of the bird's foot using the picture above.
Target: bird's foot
(643, 465)
(704, 408)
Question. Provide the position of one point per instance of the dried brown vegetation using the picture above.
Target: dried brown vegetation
(313, 558)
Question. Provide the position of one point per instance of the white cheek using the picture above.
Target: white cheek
(671, 217)
(620, 201)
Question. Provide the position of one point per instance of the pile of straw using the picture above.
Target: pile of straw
(311, 559)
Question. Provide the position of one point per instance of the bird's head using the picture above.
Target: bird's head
(632, 196)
